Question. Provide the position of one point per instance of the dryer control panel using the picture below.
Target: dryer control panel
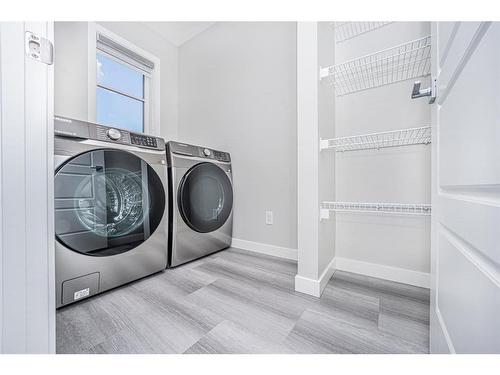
(198, 152)
(66, 127)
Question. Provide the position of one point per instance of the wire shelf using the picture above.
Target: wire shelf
(394, 138)
(406, 61)
(379, 208)
(348, 30)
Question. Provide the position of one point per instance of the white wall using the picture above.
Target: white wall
(71, 73)
(390, 175)
(71, 70)
(237, 92)
(315, 119)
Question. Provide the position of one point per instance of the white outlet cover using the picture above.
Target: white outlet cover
(269, 217)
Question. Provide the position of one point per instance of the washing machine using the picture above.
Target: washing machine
(111, 208)
(201, 201)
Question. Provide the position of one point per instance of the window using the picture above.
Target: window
(123, 89)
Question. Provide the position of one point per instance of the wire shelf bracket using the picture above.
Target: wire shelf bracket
(394, 138)
(400, 63)
(377, 208)
(348, 30)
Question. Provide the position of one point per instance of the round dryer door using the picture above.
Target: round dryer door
(205, 197)
(107, 202)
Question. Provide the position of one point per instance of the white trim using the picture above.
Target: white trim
(444, 331)
(327, 274)
(51, 292)
(307, 286)
(27, 318)
(152, 85)
(91, 72)
(1, 199)
(307, 157)
(315, 287)
(262, 248)
(400, 275)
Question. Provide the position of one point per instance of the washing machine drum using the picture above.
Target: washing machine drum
(205, 197)
(107, 202)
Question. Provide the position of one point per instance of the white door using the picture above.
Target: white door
(27, 287)
(465, 290)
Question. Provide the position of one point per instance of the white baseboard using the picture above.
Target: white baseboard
(262, 248)
(307, 286)
(327, 274)
(380, 271)
(315, 287)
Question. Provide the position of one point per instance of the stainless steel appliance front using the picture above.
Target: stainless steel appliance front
(201, 201)
(111, 208)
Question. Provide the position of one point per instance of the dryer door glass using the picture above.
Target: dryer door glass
(107, 202)
(205, 197)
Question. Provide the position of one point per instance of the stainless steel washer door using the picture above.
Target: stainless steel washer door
(107, 202)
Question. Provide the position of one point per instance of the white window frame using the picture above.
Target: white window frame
(151, 82)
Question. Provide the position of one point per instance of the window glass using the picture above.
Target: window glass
(118, 110)
(119, 76)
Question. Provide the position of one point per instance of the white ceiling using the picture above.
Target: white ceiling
(178, 32)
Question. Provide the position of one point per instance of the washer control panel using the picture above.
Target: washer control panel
(114, 134)
(143, 140)
(103, 133)
(66, 127)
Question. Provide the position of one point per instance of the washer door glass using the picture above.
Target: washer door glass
(107, 202)
(205, 197)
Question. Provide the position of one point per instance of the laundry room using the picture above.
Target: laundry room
(256, 187)
(212, 92)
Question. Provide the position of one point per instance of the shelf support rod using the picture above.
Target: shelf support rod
(324, 214)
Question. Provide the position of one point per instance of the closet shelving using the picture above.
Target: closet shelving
(378, 208)
(348, 30)
(399, 63)
(405, 61)
(394, 138)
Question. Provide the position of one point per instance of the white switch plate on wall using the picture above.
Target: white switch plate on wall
(269, 217)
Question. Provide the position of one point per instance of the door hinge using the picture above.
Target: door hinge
(38, 48)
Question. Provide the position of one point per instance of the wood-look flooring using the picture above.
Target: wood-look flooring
(240, 302)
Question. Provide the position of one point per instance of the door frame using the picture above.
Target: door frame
(27, 271)
(437, 337)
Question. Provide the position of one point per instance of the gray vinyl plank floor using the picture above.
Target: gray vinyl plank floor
(240, 302)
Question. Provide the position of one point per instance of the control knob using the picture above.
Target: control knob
(206, 152)
(114, 134)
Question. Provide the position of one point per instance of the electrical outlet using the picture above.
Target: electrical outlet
(269, 217)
